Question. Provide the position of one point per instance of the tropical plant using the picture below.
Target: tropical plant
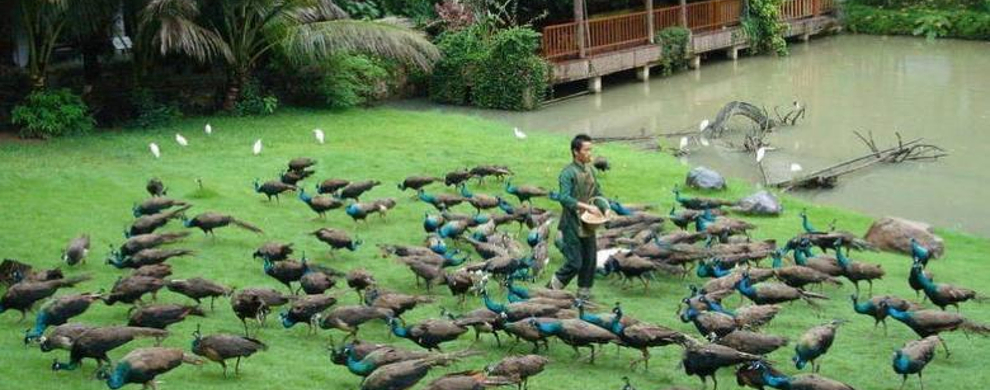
(763, 26)
(45, 114)
(238, 33)
(47, 22)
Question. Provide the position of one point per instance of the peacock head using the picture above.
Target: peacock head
(354, 244)
(257, 186)
(286, 321)
(136, 210)
(799, 363)
(401, 186)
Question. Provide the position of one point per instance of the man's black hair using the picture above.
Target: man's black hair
(577, 141)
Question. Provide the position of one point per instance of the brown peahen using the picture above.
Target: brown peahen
(222, 347)
(198, 288)
(143, 365)
(22, 296)
(209, 221)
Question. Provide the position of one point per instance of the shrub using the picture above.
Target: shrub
(150, 112)
(352, 80)
(764, 28)
(461, 53)
(361, 9)
(673, 42)
(931, 23)
(254, 101)
(52, 113)
(513, 77)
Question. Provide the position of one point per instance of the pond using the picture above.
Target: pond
(936, 90)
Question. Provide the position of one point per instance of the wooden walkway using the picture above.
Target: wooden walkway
(623, 42)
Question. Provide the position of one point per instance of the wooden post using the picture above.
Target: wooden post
(650, 23)
(683, 5)
(579, 19)
(816, 7)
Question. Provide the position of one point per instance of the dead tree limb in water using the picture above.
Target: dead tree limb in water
(759, 116)
(913, 150)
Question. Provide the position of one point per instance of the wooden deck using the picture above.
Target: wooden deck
(623, 42)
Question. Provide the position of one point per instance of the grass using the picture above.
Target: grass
(52, 191)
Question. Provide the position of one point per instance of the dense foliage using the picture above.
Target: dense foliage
(673, 42)
(51, 113)
(920, 19)
(463, 52)
(763, 26)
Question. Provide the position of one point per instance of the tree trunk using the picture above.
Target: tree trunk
(235, 85)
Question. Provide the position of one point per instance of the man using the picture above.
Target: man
(579, 192)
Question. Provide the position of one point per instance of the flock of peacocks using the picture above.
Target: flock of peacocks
(635, 246)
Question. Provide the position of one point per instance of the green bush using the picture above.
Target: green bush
(764, 28)
(255, 101)
(150, 112)
(513, 77)
(932, 23)
(462, 52)
(673, 42)
(52, 113)
(417, 10)
(352, 80)
(361, 9)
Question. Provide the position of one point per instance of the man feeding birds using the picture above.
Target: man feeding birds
(579, 194)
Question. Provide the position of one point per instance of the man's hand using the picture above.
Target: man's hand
(589, 208)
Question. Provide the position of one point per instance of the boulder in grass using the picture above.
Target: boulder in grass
(705, 179)
(760, 203)
(894, 234)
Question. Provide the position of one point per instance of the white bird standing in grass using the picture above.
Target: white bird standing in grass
(760, 153)
(154, 150)
(684, 143)
(320, 137)
(257, 147)
(703, 125)
(208, 129)
(181, 140)
(795, 167)
(519, 134)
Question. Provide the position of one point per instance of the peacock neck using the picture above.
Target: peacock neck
(549, 328)
(920, 277)
(902, 364)
(841, 258)
(778, 262)
(119, 377)
(862, 308)
(358, 367)
(40, 323)
(776, 381)
(897, 314)
(398, 330)
(519, 291)
(745, 287)
(492, 305)
(800, 257)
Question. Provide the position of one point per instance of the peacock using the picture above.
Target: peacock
(751, 342)
(525, 192)
(143, 365)
(337, 239)
(428, 334)
(160, 316)
(331, 186)
(483, 171)
(519, 367)
(23, 295)
(274, 251)
(704, 360)
(130, 289)
(273, 188)
(58, 312)
(914, 356)
(770, 293)
(155, 187)
(456, 178)
(149, 223)
(77, 250)
(256, 303)
(160, 271)
(479, 201)
(221, 347)
(350, 317)
(416, 182)
(405, 374)
(799, 275)
(94, 344)
(320, 204)
(576, 333)
(872, 307)
(305, 309)
(354, 190)
(396, 302)
(814, 343)
(441, 202)
(155, 205)
(140, 242)
(941, 294)
(146, 257)
(301, 163)
(934, 322)
(857, 271)
(472, 379)
(920, 253)
(198, 288)
(699, 203)
(209, 221)
(797, 382)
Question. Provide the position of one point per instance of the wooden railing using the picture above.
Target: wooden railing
(618, 32)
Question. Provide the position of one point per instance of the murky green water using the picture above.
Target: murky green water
(936, 90)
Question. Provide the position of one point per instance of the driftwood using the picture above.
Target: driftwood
(913, 150)
(760, 117)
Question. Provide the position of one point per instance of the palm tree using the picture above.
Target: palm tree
(47, 22)
(240, 32)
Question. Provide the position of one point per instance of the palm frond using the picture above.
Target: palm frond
(178, 31)
(324, 38)
(312, 11)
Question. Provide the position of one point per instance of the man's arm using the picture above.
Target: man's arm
(566, 180)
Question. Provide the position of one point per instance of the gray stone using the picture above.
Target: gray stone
(760, 203)
(705, 179)
(894, 235)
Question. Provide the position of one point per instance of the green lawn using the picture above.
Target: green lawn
(52, 191)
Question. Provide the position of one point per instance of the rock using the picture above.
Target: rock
(760, 203)
(894, 235)
(705, 179)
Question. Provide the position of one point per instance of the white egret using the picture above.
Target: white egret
(684, 143)
(703, 125)
(181, 140)
(760, 153)
(257, 147)
(154, 150)
(208, 129)
(320, 137)
(519, 134)
(795, 167)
